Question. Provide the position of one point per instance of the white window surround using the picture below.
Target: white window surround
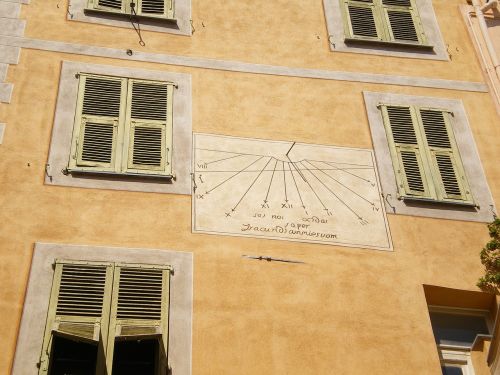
(457, 357)
(182, 24)
(30, 339)
(335, 26)
(483, 212)
(460, 356)
(63, 128)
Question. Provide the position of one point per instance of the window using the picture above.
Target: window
(455, 331)
(426, 157)
(69, 344)
(163, 16)
(122, 126)
(401, 28)
(110, 316)
(391, 21)
(424, 154)
(456, 362)
(142, 8)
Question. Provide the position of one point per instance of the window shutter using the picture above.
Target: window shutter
(140, 305)
(79, 305)
(149, 128)
(98, 118)
(156, 8)
(111, 5)
(361, 17)
(444, 156)
(406, 152)
(403, 22)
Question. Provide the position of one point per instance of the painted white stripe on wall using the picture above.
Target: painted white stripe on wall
(16, 1)
(6, 92)
(10, 26)
(10, 10)
(3, 71)
(2, 130)
(9, 54)
(237, 66)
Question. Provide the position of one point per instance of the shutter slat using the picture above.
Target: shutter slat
(153, 7)
(362, 21)
(412, 171)
(101, 97)
(401, 124)
(399, 3)
(448, 174)
(149, 101)
(97, 142)
(90, 281)
(435, 128)
(148, 144)
(140, 294)
(114, 4)
(402, 26)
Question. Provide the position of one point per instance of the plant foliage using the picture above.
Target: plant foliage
(490, 257)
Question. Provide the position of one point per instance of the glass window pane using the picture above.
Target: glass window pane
(454, 329)
(452, 370)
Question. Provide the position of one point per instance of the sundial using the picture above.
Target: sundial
(287, 191)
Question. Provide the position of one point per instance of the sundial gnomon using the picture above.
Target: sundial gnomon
(287, 190)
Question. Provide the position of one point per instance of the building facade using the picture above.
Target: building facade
(274, 187)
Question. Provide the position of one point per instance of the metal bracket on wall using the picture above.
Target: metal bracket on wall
(271, 259)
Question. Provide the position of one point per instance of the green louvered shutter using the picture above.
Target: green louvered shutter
(109, 5)
(98, 120)
(408, 155)
(140, 306)
(79, 306)
(402, 22)
(156, 8)
(444, 156)
(362, 20)
(149, 128)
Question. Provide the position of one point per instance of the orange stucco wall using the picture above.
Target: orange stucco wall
(290, 33)
(346, 310)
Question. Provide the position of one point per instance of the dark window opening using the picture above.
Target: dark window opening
(455, 329)
(136, 357)
(72, 357)
(452, 370)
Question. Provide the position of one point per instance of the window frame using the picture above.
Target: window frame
(108, 322)
(39, 287)
(385, 34)
(432, 47)
(460, 357)
(431, 176)
(93, 6)
(458, 354)
(62, 134)
(484, 208)
(180, 24)
(122, 128)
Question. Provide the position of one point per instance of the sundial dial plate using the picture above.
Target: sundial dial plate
(288, 191)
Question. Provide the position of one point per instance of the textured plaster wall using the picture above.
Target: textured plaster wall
(341, 312)
(282, 32)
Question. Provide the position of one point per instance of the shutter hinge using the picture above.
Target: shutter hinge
(77, 75)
